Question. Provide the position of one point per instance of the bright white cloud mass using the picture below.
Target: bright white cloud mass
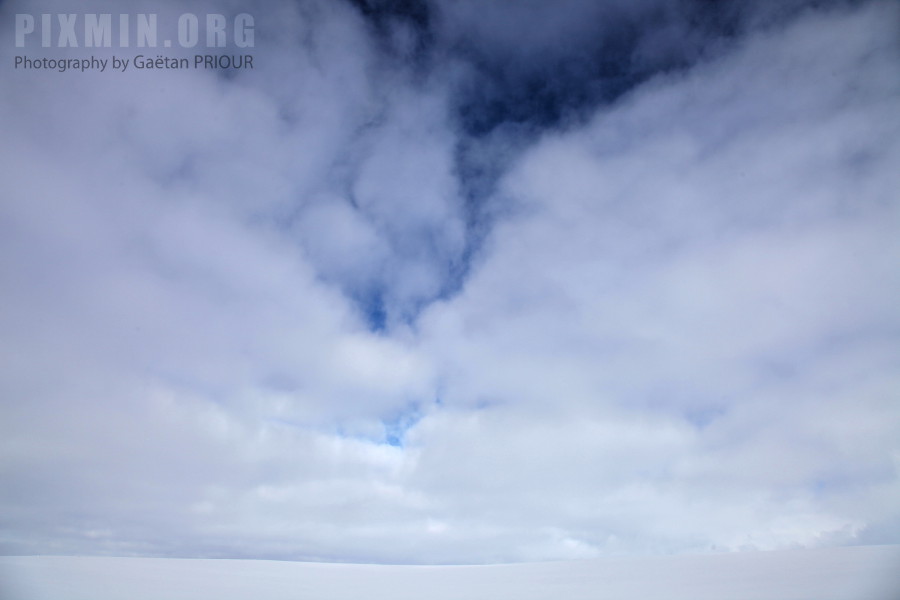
(456, 282)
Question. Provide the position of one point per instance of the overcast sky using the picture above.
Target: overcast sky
(456, 282)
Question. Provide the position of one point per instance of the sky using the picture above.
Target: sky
(455, 282)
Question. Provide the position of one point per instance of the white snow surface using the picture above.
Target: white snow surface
(847, 573)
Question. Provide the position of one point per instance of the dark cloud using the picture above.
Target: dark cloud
(515, 70)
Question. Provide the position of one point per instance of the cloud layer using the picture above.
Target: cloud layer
(440, 283)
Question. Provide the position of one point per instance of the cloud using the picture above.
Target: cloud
(701, 253)
(412, 290)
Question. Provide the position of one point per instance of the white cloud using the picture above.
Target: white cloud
(717, 260)
(676, 333)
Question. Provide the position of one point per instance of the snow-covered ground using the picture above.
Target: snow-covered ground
(853, 573)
